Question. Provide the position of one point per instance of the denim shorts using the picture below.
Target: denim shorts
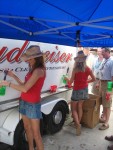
(31, 110)
(80, 94)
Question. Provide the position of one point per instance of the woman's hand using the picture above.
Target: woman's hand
(66, 78)
(15, 77)
(4, 83)
(11, 74)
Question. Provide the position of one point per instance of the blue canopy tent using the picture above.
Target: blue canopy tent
(67, 22)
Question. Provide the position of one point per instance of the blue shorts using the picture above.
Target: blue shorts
(31, 110)
(80, 94)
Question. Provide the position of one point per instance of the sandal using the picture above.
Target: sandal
(78, 130)
(109, 138)
(110, 147)
(104, 127)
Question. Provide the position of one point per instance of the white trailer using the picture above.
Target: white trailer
(59, 61)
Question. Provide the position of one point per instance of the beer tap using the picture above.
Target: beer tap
(5, 74)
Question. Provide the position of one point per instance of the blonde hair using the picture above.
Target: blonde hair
(79, 66)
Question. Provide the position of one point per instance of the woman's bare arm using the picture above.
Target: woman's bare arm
(37, 73)
(92, 77)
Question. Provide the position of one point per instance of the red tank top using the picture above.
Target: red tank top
(34, 93)
(80, 81)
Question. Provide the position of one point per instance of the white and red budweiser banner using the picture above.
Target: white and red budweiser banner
(58, 59)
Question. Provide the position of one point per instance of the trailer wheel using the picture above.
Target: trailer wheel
(56, 119)
(20, 139)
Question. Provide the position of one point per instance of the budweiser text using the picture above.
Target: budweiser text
(14, 54)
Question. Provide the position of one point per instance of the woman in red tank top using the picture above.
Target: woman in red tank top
(80, 89)
(30, 107)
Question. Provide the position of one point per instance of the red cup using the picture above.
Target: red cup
(108, 96)
(53, 88)
(69, 85)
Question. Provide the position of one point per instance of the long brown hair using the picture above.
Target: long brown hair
(39, 63)
(79, 66)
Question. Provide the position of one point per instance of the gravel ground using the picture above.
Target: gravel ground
(66, 139)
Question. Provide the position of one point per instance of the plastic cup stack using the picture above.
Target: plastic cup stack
(64, 81)
(2, 90)
(109, 90)
(109, 86)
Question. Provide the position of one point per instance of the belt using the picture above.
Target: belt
(105, 80)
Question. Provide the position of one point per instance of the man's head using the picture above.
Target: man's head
(105, 52)
(99, 52)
